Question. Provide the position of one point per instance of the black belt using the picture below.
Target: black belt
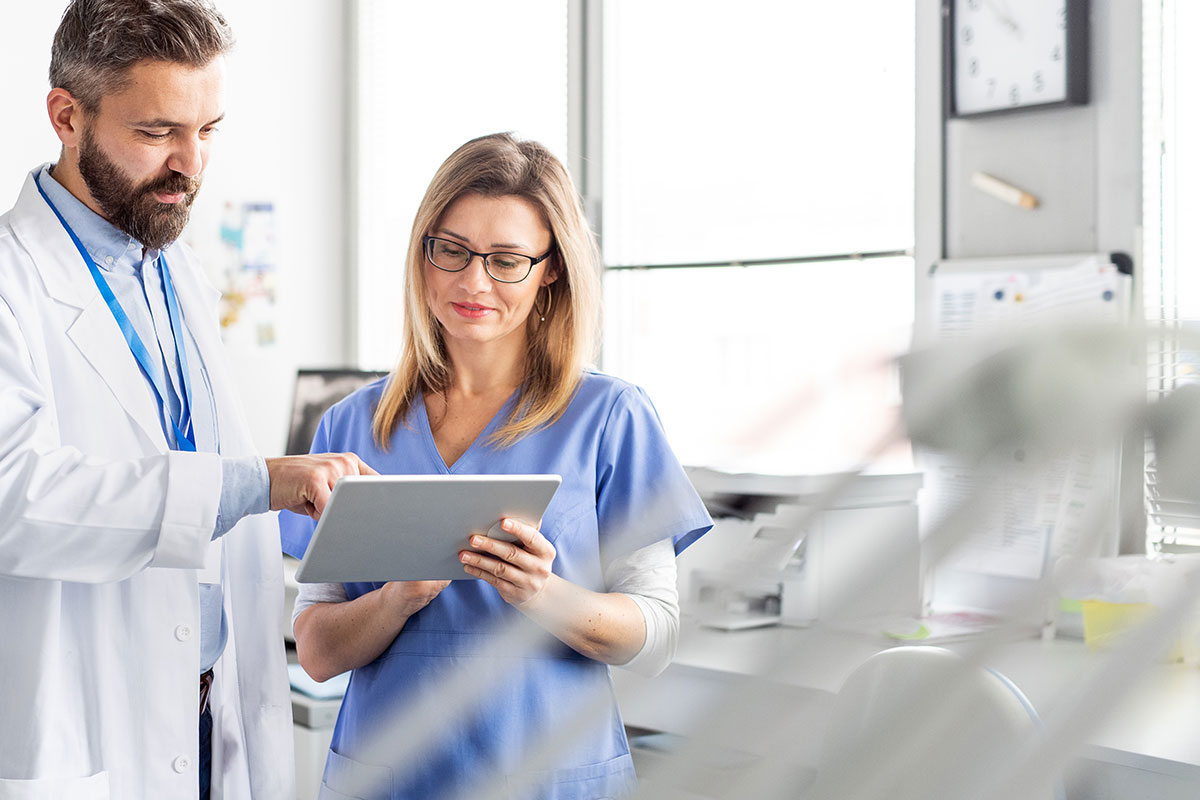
(206, 680)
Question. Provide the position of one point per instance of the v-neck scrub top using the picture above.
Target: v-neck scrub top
(622, 489)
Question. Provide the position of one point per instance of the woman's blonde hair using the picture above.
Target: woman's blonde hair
(500, 165)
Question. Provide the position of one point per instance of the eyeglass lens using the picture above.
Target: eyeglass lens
(506, 267)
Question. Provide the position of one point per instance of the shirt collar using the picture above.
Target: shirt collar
(107, 244)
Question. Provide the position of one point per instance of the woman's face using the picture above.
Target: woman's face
(472, 307)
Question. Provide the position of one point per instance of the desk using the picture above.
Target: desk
(1148, 747)
(1150, 744)
(313, 722)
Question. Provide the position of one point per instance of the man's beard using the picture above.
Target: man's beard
(133, 208)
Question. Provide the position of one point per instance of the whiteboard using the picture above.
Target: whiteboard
(1032, 517)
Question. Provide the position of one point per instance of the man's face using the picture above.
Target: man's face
(142, 153)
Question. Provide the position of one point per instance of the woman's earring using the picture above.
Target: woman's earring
(542, 312)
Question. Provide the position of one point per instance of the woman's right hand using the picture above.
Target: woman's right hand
(406, 598)
(334, 637)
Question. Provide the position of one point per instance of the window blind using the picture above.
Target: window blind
(1171, 289)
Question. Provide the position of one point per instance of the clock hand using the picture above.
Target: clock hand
(1005, 16)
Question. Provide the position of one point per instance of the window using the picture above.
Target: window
(1171, 141)
(781, 369)
(430, 76)
(756, 130)
(751, 178)
(778, 136)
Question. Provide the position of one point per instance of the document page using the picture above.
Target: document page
(1028, 514)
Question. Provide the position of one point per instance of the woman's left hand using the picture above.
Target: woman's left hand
(519, 570)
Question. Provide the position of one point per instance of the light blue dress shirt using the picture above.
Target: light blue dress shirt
(135, 277)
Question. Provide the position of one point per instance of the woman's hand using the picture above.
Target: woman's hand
(405, 598)
(334, 637)
(602, 626)
(519, 570)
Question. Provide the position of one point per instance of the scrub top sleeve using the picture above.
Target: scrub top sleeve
(643, 494)
(296, 530)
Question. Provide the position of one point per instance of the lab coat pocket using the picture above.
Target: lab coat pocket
(347, 779)
(606, 780)
(93, 787)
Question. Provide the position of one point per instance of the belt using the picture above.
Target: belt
(206, 681)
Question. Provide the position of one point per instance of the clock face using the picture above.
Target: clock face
(1009, 54)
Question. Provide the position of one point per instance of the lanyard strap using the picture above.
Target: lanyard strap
(183, 441)
(185, 402)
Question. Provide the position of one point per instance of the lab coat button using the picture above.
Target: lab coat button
(183, 633)
(181, 764)
(108, 260)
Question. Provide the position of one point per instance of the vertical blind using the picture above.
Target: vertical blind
(1171, 240)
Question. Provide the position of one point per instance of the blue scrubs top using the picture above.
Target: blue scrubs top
(622, 489)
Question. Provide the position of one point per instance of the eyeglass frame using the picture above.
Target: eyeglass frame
(533, 262)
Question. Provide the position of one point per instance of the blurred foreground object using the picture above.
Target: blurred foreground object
(932, 726)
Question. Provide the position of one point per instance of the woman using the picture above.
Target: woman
(501, 310)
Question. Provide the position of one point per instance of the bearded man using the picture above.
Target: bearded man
(140, 578)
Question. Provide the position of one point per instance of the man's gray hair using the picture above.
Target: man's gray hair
(99, 40)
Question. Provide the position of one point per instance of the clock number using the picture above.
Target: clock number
(1038, 53)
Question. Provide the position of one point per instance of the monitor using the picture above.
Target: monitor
(317, 390)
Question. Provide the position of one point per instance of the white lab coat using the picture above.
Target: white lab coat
(104, 534)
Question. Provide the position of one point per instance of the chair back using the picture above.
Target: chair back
(922, 723)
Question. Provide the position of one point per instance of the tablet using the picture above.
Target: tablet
(411, 527)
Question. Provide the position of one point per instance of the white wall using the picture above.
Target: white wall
(1085, 163)
(26, 138)
(283, 141)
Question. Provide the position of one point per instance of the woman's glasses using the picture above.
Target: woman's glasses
(451, 256)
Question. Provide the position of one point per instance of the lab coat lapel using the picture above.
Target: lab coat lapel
(57, 261)
(198, 307)
(98, 337)
(94, 331)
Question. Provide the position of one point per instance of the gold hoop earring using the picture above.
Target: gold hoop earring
(542, 312)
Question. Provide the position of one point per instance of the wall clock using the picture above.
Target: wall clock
(1010, 55)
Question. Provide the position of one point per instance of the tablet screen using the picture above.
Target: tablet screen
(411, 527)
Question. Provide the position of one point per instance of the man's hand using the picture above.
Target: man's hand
(302, 484)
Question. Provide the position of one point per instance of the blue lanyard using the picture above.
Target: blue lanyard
(183, 441)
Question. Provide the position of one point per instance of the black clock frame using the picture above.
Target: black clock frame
(1077, 62)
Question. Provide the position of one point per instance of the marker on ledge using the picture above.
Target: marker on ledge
(1003, 191)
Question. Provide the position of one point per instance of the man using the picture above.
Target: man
(139, 616)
